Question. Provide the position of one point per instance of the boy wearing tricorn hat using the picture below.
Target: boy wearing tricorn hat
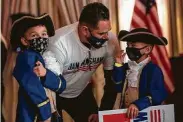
(139, 82)
(29, 36)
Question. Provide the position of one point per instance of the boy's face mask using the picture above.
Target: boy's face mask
(39, 44)
(134, 54)
(96, 42)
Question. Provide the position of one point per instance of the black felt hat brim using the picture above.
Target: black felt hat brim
(141, 35)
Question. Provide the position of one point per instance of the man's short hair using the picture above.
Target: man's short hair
(93, 13)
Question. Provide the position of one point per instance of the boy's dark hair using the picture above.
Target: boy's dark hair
(93, 13)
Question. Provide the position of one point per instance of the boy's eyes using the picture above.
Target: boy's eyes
(132, 44)
(34, 35)
(45, 34)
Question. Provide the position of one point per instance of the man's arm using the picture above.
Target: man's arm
(110, 93)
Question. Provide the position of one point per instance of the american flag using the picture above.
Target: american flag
(145, 15)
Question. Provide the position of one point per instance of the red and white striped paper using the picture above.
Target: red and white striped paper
(161, 113)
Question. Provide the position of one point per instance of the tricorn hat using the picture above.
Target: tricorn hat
(21, 22)
(141, 35)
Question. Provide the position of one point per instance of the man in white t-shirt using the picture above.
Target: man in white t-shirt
(79, 49)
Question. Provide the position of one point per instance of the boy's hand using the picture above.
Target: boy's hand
(39, 70)
(132, 111)
(93, 118)
(119, 58)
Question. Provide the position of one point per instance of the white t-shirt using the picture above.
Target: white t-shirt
(76, 62)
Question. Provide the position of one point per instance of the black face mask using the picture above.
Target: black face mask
(96, 42)
(134, 53)
(39, 44)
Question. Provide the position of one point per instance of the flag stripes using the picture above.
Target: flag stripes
(155, 116)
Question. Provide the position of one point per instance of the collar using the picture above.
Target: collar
(136, 66)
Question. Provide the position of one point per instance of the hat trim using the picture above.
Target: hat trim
(35, 18)
(142, 33)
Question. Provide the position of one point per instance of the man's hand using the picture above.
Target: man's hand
(132, 111)
(39, 70)
(119, 58)
(93, 118)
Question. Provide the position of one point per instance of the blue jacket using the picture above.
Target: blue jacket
(32, 99)
(152, 90)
